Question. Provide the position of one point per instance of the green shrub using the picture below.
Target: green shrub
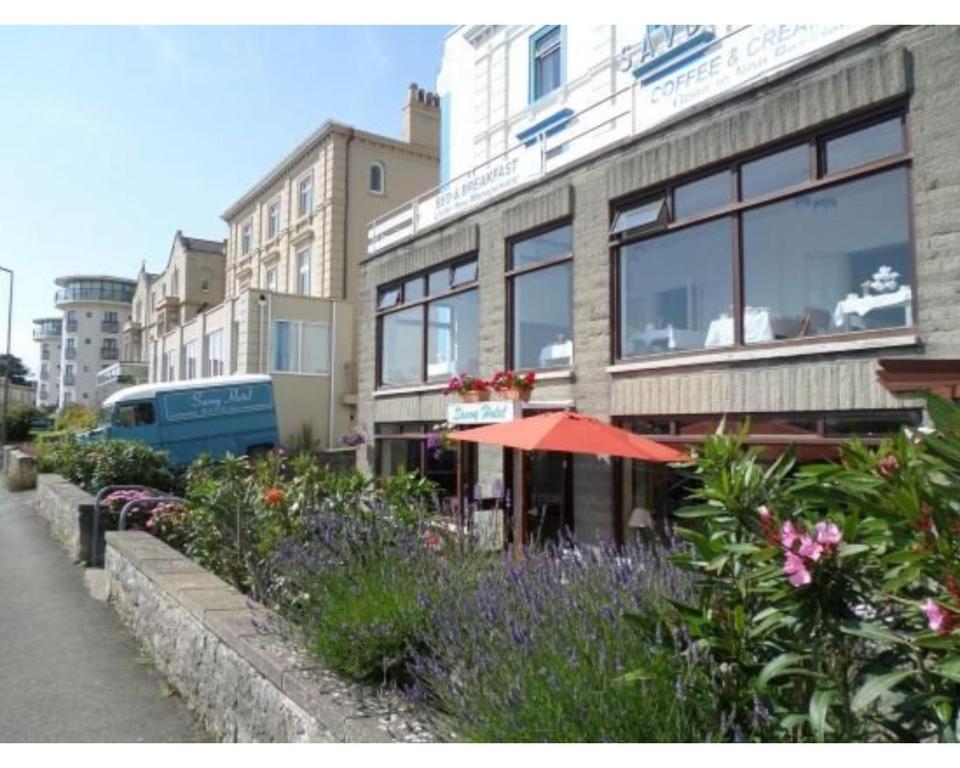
(829, 594)
(19, 419)
(75, 417)
(95, 464)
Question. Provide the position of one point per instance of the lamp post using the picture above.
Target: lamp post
(6, 377)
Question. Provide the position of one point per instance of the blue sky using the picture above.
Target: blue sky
(113, 138)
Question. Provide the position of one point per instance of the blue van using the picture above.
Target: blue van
(227, 414)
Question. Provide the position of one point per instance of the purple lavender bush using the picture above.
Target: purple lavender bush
(539, 651)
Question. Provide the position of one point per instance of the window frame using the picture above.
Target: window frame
(423, 302)
(304, 209)
(304, 268)
(273, 231)
(511, 272)
(534, 95)
(246, 239)
(818, 180)
(299, 325)
(382, 190)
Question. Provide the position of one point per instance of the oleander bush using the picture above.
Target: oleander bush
(828, 594)
(19, 422)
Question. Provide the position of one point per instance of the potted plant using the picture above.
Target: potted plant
(514, 386)
(470, 389)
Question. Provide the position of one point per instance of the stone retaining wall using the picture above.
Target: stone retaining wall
(225, 655)
(68, 510)
(19, 469)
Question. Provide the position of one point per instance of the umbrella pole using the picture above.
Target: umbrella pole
(461, 516)
(520, 506)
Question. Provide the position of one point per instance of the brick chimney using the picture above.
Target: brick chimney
(421, 118)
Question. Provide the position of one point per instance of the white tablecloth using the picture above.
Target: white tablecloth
(553, 352)
(757, 326)
(863, 305)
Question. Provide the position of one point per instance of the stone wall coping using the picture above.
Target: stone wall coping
(261, 638)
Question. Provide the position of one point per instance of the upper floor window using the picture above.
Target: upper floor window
(273, 219)
(205, 280)
(377, 178)
(303, 272)
(175, 282)
(809, 240)
(214, 363)
(540, 290)
(546, 61)
(270, 279)
(246, 238)
(429, 329)
(305, 196)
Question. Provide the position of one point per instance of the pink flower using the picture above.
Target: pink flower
(788, 535)
(795, 567)
(888, 466)
(828, 535)
(764, 513)
(809, 548)
(937, 618)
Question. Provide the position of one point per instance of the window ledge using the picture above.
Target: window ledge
(561, 374)
(419, 389)
(768, 353)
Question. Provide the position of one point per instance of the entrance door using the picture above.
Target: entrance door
(549, 495)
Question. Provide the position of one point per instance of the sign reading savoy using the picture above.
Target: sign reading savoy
(219, 401)
(727, 63)
(483, 413)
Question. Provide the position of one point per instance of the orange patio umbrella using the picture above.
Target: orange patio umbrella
(570, 433)
(573, 433)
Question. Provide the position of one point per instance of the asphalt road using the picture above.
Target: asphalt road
(69, 670)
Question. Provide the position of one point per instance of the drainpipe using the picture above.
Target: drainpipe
(346, 213)
(333, 370)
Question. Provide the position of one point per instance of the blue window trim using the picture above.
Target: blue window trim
(532, 98)
(549, 125)
(690, 49)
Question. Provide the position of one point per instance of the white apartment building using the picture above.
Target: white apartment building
(48, 334)
(281, 301)
(95, 308)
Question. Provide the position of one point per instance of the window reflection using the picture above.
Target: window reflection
(863, 146)
(543, 318)
(452, 336)
(775, 172)
(677, 291)
(831, 261)
(402, 348)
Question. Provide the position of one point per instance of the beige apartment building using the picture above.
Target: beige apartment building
(279, 299)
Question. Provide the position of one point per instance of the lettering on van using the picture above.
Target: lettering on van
(222, 401)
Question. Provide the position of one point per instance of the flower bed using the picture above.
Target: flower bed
(810, 603)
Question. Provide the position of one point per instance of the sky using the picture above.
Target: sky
(112, 138)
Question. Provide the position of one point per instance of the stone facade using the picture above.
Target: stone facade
(917, 66)
(228, 658)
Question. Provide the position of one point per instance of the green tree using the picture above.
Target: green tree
(13, 366)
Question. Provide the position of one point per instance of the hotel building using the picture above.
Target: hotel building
(670, 225)
(277, 296)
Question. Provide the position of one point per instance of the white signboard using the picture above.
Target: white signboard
(493, 412)
(728, 62)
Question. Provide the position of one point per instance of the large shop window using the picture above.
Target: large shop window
(540, 285)
(429, 326)
(811, 240)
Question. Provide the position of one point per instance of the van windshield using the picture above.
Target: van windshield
(106, 414)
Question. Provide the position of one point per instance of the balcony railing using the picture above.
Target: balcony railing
(71, 326)
(44, 354)
(124, 373)
(70, 353)
(69, 379)
(110, 326)
(47, 330)
(109, 353)
(96, 291)
(44, 375)
(566, 136)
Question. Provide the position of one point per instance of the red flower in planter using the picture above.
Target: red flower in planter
(888, 466)
(273, 497)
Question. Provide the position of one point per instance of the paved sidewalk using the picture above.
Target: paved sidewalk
(69, 670)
